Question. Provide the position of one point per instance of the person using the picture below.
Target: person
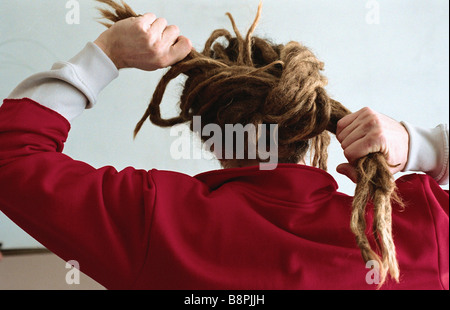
(241, 227)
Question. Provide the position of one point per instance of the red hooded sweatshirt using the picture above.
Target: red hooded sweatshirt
(241, 228)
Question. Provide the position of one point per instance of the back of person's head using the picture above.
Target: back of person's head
(249, 80)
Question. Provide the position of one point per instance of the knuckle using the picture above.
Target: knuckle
(373, 114)
(138, 22)
(156, 45)
(153, 40)
(136, 25)
(162, 20)
(367, 126)
(140, 27)
(366, 110)
(373, 142)
(186, 45)
(373, 123)
(151, 15)
(175, 28)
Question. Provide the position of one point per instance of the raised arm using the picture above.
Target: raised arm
(98, 217)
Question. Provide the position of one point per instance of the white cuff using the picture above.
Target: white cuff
(70, 87)
(429, 151)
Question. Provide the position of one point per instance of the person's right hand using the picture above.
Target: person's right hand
(144, 42)
(367, 131)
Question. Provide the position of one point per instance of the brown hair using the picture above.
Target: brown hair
(252, 81)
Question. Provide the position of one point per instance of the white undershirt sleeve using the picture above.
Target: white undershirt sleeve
(429, 151)
(70, 87)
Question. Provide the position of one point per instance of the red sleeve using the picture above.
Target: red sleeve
(98, 217)
(438, 203)
(428, 201)
(439, 196)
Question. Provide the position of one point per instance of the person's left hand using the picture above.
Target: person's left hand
(144, 42)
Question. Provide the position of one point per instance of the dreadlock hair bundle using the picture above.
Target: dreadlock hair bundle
(252, 81)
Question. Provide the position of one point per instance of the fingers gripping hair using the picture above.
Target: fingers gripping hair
(252, 81)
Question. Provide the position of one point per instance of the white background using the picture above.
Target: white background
(398, 67)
